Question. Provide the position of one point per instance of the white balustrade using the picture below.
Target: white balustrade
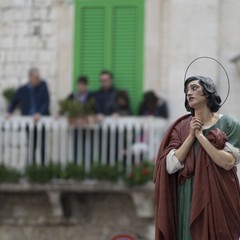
(121, 141)
(115, 141)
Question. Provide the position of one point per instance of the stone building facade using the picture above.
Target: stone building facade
(40, 33)
(36, 33)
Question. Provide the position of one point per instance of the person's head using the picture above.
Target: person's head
(34, 76)
(82, 84)
(150, 100)
(106, 79)
(122, 98)
(201, 92)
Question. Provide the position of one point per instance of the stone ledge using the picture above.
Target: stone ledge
(81, 186)
(142, 198)
(77, 186)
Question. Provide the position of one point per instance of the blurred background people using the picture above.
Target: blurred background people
(106, 95)
(122, 104)
(32, 98)
(153, 106)
(82, 94)
(84, 98)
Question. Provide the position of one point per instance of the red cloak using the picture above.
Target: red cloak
(215, 208)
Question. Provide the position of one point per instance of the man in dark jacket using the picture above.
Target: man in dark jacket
(106, 95)
(32, 98)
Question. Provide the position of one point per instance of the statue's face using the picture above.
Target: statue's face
(195, 96)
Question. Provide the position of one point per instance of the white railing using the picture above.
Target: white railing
(114, 141)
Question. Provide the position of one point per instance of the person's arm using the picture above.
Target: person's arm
(176, 157)
(97, 102)
(233, 150)
(182, 152)
(221, 158)
(45, 104)
(14, 102)
(172, 163)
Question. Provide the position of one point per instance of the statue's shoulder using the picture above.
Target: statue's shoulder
(183, 120)
(180, 125)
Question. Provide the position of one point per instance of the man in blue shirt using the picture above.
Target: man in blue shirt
(32, 100)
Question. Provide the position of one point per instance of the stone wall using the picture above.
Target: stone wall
(40, 33)
(178, 32)
(86, 211)
(31, 36)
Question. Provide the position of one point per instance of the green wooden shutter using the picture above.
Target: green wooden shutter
(89, 52)
(109, 35)
(127, 52)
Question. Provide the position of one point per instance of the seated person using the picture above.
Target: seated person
(153, 106)
(122, 104)
(106, 95)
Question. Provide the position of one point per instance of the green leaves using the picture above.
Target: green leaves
(43, 174)
(8, 93)
(140, 174)
(104, 172)
(76, 109)
(74, 171)
(8, 174)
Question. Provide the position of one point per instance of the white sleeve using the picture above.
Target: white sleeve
(173, 164)
(234, 151)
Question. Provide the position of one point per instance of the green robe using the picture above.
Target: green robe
(232, 129)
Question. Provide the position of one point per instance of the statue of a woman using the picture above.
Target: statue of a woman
(197, 190)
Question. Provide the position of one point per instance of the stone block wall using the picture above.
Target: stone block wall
(29, 37)
(40, 33)
(75, 210)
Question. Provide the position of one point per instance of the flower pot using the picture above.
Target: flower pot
(83, 122)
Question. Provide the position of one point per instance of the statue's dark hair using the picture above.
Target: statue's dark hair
(209, 90)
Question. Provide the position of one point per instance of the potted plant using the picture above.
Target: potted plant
(74, 171)
(9, 175)
(140, 180)
(79, 114)
(141, 174)
(103, 172)
(8, 93)
(43, 174)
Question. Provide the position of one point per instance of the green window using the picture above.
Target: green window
(109, 35)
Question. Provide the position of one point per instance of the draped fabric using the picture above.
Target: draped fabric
(215, 203)
(184, 200)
